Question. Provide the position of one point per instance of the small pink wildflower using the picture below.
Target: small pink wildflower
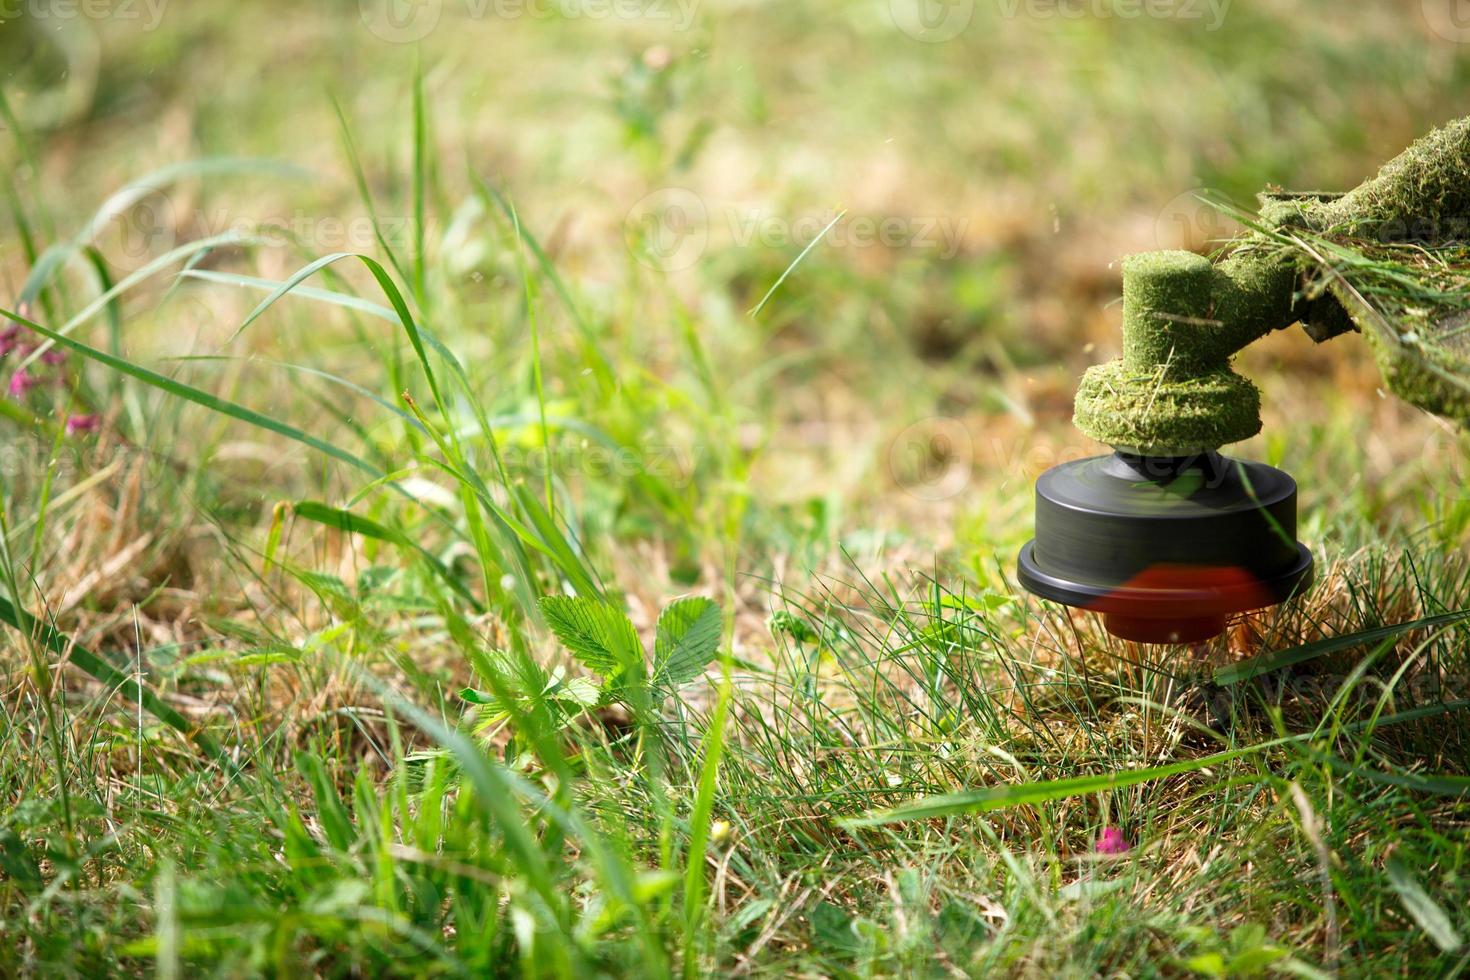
(21, 382)
(1112, 841)
(53, 355)
(9, 339)
(82, 423)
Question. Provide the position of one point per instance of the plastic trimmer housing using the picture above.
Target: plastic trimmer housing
(1166, 548)
(1166, 538)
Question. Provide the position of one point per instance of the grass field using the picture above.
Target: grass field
(344, 335)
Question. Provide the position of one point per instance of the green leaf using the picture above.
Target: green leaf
(19, 864)
(687, 639)
(580, 691)
(832, 927)
(1425, 911)
(794, 626)
(1251, 962)
(597, 633)
(1208, 964)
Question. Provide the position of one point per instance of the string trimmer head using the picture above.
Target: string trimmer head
(1168, 538)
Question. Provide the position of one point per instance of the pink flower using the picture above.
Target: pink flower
(82, 423)
(21, 382)
(1112, 841)
(9, 339)
(53, 355)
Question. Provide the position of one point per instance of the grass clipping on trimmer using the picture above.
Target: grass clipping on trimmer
(1391, 258)
(1412, 302)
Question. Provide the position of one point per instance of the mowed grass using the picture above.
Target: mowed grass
(283, 693)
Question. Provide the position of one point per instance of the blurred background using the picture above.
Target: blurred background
(974, 170)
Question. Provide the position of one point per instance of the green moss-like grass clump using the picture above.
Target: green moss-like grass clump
(1423, 194)
(1411, 300)
(1413, 305)
(1389, 258)
(1187, 316)
(1166, 309)
(1173, 392)
(1158, 416)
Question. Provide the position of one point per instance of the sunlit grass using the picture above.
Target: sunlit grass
(283, 693)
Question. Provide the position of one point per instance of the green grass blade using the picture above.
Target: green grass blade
(57, 256)
(1423, 909)
(1434, 784)
(114, 307)
(494, 794)
(305, 272)
(400, 309)
(420, 183)
(326, 376)
(198, 397)
(360, 176)
(533, 322)
(152, 268)
(553, 542)
(102, 670)
(1290, 657)
(331, 812)
(350, 523)
(601, 366)
(794, 263)
(136, 190)
(699, 830)
(344, 300)
(1002, 797)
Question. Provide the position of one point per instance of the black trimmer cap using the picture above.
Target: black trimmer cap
(1166, 548)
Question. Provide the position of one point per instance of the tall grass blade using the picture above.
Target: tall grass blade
(1002, 797)
(795, 262)
(195, 395)
(1290, 657)
(699, 830)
